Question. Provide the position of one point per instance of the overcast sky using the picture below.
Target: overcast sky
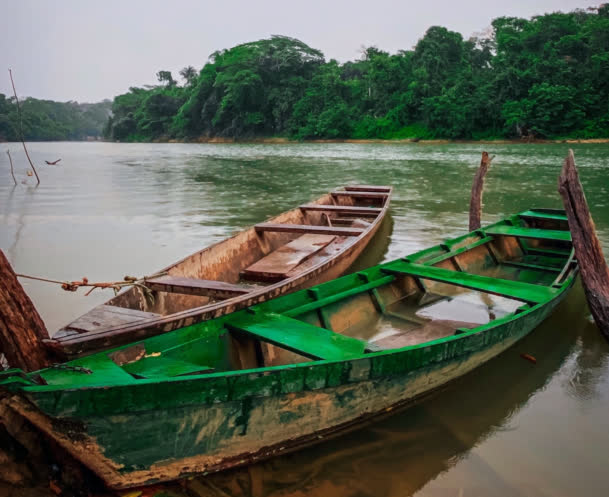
(88, 50)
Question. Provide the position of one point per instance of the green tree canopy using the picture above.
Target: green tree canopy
(541, 77)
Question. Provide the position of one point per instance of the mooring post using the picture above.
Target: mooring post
(21, 327)
(475, 203)
(588, 250)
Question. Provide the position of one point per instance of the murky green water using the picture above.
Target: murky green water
(510, 428)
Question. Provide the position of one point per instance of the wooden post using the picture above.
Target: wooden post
(21, 327)
(475, 203)
(588, 251)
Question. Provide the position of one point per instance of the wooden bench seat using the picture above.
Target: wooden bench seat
(517, 290)
(539, 234)
(163, 367)
(195, 286)
(453, 253)
(308, 228)
(534, 214)
(360, 194)
(297, 336)
(103, 317)
(536, 267)
(368, 188)
(342, 209)
(280, 262)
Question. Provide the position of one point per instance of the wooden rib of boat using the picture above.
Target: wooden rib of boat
(293, 370)
(308, 245)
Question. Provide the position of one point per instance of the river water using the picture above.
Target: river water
(510, 428)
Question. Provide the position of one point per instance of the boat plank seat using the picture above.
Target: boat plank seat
(533, 214)
(298, 337)
(195, 286)
(281, 261)
(368, 188)
(360, 194)
(331, 299)
(517, 290)
(102, 367)
(539, 234)
(453, 253)
(535, 267)
(342, 209)
(544, 252)
(308, 228)
(163, 367)
(103, 317)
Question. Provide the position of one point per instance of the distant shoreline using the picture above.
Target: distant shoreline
(280, 141)
(287, 141)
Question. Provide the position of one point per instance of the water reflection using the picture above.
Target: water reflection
(586, 373)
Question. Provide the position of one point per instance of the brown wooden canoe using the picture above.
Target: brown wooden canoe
(299, 248)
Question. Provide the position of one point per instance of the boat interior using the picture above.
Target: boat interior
(449, 289)
(280, 249)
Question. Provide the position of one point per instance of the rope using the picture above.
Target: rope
(117, 286)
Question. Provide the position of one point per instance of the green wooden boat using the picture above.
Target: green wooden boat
(294, 370)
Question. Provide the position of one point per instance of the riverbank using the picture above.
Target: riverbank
(375, 141)
(281, 140)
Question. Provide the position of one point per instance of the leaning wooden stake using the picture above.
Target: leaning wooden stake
(592, 264)
(11, 161)
(10, 73)
(21, 327)
(475, 204)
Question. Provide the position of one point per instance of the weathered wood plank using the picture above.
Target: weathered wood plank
(475, 203)
(368, 188)
(307, 228)
(299, 337)
(104, 317)
(357, 194)
(592, 264)
(280, 262)
(21, 327)
(342, 209)
(195, 286)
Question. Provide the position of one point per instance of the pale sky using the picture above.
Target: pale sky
(88, 50)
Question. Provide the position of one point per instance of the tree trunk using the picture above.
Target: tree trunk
(590, 258)
(21, 327)
(475, 204)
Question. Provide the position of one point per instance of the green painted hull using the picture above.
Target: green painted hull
(152, 430)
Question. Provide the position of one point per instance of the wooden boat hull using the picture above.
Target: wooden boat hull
(239, 424)
(223, 262)
(134, 429)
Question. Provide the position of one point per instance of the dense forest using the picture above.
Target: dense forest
(544, 77)
(44, 120)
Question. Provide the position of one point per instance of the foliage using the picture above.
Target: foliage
(544, 77)
(47, 120)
